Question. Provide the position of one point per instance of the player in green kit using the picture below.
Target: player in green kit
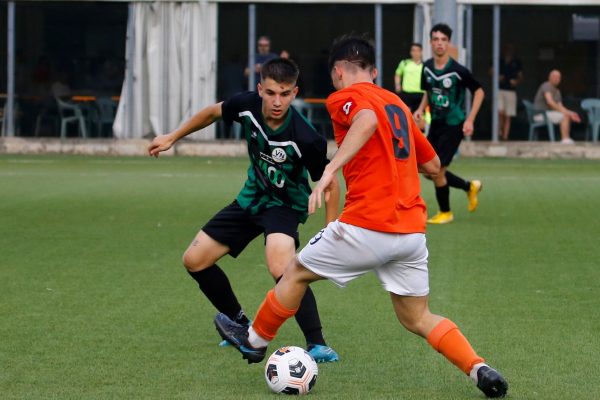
(445, 82)
(284, 149)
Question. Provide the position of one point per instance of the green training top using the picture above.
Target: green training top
(446, 90)
(411, 75)
(280, 160)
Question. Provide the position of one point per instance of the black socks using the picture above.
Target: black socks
(216, 287)
(457, 182)
(442, 194)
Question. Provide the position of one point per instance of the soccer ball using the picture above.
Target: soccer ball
(291, 370)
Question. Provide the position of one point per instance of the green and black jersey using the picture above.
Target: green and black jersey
(280, 160)
(446, 90)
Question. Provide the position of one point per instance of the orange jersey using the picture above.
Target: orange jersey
(382, 180)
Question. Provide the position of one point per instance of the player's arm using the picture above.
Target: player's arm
(397, 85)
(200, 120)
(398, 77)
(428, 162)
(431, 167)
(332, 201)
(418, 115)
(478, 97)
(361, 129)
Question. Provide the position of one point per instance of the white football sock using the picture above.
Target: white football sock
(473, 373)
(256, 340)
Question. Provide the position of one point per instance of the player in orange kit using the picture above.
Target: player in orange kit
(382, 225)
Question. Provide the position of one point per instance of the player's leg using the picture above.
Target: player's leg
(442, 195)
(281, 241)
(448, 147)
(446, 338)
(471, 188)
(279, 305)
(228, 232)
(438, 137)
(330, 254)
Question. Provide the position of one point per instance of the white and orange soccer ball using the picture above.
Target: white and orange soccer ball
(291, 370)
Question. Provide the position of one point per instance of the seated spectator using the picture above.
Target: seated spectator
(549, 99)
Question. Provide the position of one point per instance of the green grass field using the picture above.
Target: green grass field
(94, 302)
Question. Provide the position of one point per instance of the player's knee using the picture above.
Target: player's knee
(415, 323)
(193, 261)
(277, 269)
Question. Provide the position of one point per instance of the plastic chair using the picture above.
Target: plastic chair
(69, 113)
(592, 107)
(538, 119)
(106, 108)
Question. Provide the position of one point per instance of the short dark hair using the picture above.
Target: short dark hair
(415, 44)
(352, 48)
(444, 28)
(281, 70)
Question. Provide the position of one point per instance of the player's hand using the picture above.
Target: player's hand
(160, 143)
(468, 128)
(418, 115)
(325, 185)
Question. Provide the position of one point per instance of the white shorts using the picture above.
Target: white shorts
(555, 117)
(507, 102)
(343, 252)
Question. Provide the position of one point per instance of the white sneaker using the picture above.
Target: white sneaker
(567, 141)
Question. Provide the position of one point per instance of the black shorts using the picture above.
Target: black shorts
(235, 227)
(445, 140)
(412, 100)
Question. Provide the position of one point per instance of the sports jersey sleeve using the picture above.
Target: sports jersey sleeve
(343, 106)
(315, 157)
(470, 82)
(232, 106)
(424, 85)
(400, 68)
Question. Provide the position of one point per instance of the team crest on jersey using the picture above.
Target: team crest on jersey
(447, 82)
(278, 155)
(348, 106)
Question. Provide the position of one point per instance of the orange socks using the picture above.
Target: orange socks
(447, 339)
(271, 315)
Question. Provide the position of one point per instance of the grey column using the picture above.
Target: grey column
(251, 45)
(10, 73)
(418, 20)
(495, 77)
(129, 76)
(378, 44)
(468, 46)
(445, 11)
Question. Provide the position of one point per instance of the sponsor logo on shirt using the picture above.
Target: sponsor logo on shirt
(348, 106)
(278, 155)
(266, 157)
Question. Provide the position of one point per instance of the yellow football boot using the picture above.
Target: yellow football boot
(474, 189)
(441, 218)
